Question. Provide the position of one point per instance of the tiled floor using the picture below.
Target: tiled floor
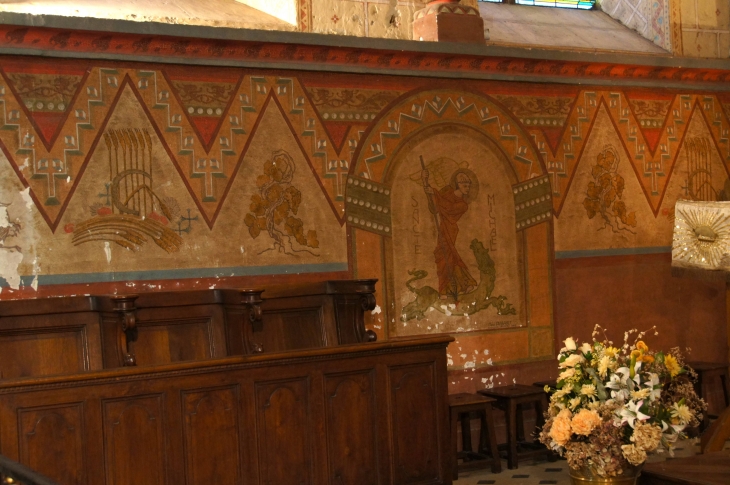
(537, 472)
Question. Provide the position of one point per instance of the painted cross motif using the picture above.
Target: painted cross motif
(50, 169)
(208, 169)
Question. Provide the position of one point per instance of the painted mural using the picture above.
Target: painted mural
(454, 241)
(457, 195)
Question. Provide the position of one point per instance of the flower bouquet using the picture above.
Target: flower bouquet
(612, 406)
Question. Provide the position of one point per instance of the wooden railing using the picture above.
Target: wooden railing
(15, 473)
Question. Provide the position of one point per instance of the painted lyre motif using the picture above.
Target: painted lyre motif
(699, 170)
(132, 212)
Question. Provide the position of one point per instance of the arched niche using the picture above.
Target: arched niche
(503, 233)
(455, 262)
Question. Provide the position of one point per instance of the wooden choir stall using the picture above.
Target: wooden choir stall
(275, 386)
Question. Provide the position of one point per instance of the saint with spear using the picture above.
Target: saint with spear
(447, 205)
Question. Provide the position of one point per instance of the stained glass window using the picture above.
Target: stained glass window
(582, 4)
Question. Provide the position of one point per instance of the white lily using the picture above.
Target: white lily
(630, 413)
(655, 386)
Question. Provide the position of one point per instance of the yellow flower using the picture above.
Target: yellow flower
(588, 390)
(640, 394)
(611, 352)
(649, 359)
(642, 346)
(681, 412)
(672, 365)
(635, 354)
(604, 365)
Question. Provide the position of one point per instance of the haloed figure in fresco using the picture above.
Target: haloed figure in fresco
(447, 205)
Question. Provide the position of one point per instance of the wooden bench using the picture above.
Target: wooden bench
(375, 413)
(282, 385)
(51, 336)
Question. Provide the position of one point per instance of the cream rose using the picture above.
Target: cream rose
(569, 343)
(572, 361)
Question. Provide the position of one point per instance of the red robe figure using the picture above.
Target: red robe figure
(448, 205)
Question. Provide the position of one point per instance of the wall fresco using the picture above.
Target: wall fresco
(456, 195)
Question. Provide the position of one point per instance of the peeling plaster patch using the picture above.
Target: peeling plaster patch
(378, 326)
(27, 199)
(243, 250)
(10, 256)
(108, 252)
(9, 262)
(36, 272)
(376, 310)
(486, 351)
(4, 219)
(470, 365)
(68, 179)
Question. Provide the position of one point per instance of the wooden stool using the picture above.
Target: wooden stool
(460, 408)
(705, 372)
(510, 400)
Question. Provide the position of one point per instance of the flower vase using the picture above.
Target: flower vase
(585, 476)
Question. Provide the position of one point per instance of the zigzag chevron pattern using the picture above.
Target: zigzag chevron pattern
(652, 168)
(430, 108)
(53, 174)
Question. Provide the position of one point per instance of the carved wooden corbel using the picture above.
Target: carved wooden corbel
(126, 314)
(251, 299)
(367, 302)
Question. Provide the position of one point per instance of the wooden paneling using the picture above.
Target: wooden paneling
(212, 452)
(415, 428)
(178, 334)
(361, 414)
(43, 352)
(290, 329)
(52, 442)
(352, 446)
(285, 449)
(168, 341)
(52, 336)
(134, 441)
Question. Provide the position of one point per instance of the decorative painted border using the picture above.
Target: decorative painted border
(476, 63)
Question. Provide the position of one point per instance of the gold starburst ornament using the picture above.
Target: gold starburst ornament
(701, 235)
